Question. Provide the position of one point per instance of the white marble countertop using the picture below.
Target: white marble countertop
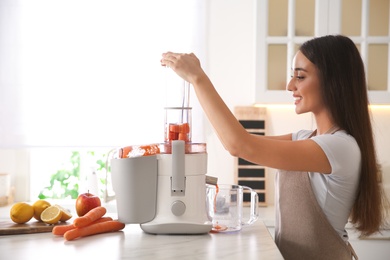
(253, 242)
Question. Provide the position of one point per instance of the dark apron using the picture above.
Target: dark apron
(302, 230)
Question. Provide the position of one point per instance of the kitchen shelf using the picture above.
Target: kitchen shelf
(246, 173)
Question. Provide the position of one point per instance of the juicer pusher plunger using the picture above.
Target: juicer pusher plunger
(177, 110)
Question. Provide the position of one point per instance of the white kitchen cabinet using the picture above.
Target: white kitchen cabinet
(282, 25)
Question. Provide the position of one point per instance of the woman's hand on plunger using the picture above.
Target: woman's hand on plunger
(185, 65)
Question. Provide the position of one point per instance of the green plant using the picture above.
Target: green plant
(64, 183)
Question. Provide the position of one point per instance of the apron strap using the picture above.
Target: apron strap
(353, 251)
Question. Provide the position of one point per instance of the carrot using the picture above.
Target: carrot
(124, 151)
(150, 149)
(179, 128)
(185, 128)
(91, 216)
(172, 136)
(182, 137)
(178, 132)
(60, 230)
(174, 128)
(98, 228)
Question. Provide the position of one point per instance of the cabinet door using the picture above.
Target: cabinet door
(282, 25)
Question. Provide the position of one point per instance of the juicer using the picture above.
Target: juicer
(162, 186)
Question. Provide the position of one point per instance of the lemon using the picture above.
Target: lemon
(51, 215)
(39, 206)
(66, 215)
(21, 212)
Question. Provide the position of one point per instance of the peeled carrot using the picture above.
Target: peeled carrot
(124, 151)
(91, 216)
(179, 128)
(178, 132)
(183, 137)
(98, 228)
(185, 128)
(173, 136)
(150, 149)
(174, 128)
(60, 230)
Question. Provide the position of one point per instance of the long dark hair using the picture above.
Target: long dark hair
(344, 90)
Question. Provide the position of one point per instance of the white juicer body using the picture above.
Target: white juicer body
(181, 194)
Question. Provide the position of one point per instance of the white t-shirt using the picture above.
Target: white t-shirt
(336, 192)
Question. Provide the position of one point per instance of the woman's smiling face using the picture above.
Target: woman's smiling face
(305, 86)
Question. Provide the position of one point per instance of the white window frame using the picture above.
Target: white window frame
(327, 21)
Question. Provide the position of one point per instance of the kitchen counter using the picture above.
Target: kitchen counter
(253, 242)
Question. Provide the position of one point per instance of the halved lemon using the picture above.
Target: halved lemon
(66, 215)
(39, 206)
(51, 215)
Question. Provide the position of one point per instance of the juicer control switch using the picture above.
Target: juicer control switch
(178, 208)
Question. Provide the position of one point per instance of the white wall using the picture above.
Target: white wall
(231, 52)
(230, 67)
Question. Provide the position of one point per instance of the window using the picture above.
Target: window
(63, 173)
(86, 73)
(282, 25)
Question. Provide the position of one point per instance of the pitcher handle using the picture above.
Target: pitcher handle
(254, 210)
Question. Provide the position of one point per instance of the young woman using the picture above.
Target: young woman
(326, 176)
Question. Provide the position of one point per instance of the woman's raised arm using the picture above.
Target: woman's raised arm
(278, 152)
